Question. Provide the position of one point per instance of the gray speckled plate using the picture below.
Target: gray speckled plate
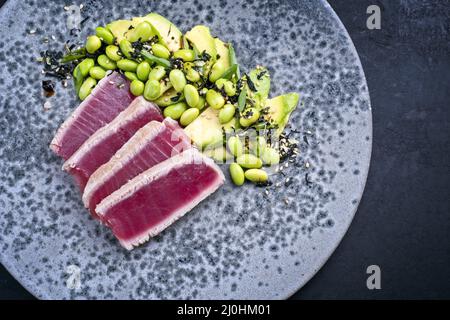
(240, 242)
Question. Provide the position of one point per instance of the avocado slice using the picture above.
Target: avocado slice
(168, 33)
(120, 28)
(206, 130)
(279, 110)
(201, 39)
(260, 78)
(223, 52)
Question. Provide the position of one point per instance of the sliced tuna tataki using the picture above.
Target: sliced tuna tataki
(152, 144)
(156, 198)
(107, 100)
(104, 143)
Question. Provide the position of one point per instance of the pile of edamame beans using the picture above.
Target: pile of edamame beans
(183, 83)
(249, 161)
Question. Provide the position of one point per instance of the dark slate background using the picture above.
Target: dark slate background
(403, 222)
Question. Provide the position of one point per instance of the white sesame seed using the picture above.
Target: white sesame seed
(47, 105)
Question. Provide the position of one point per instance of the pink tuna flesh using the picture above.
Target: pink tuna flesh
(152, 144)
(156, 198)
(105, 142)
(107, 100)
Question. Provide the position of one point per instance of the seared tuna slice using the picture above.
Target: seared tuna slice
(153, 143)
(107, 100)
(156, 198)
(104, 143)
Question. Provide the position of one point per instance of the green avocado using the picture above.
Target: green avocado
(260, 77)
(120, 28)
(201, 39)
(206, 131)
(279, 110)
(168, 33)
(223, 52)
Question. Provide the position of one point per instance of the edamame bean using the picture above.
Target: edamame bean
(235, 146)
(237, 174)
(230, 88)
(143, 70)
(256, 175)
(86, 88)
(191, 95)
(217, 71)
(186, 55)
(177, 79)
(227, 113)
(93, 43)
(214, 99)
(142, 32)
(249, 161)
(130, 75)
(249, 117)
(97, 73)
(105, 35)
(169, 97)
(201, 103)
(175, 111)
(157, 73)
(126, 48)
(85, 66)
(137, 87)
(188, 116)
(270, 156)
(152, 90)
(192, 75)
(127, 65)
(160, 51)
(113, 52)
(106, 63)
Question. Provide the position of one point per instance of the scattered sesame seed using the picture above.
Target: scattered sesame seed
(47, 105)
(32, 31)
(307, 164)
